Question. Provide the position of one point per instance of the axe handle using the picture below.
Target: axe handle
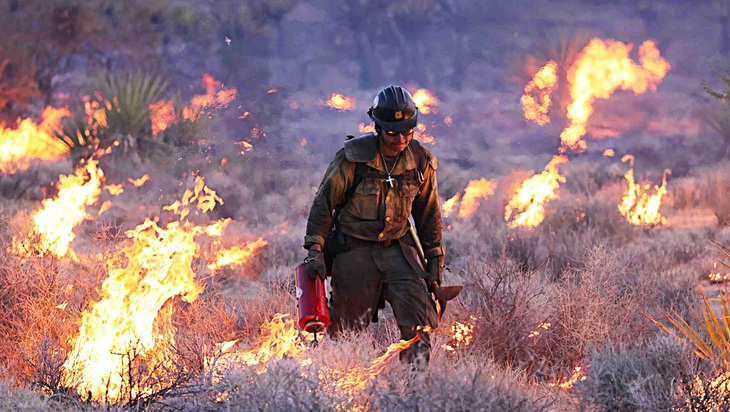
(419, 248)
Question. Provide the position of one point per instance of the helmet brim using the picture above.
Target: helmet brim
(397, 126)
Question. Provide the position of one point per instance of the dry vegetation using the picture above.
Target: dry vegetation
(585, 289)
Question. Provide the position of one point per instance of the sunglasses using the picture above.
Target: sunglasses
(393, 133)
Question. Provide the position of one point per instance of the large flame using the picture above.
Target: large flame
(425, 101)
(637, 205)
(601, 68)
(536, 101)
(54, 222)
(527, 207)
(128, 319)
(28, 142)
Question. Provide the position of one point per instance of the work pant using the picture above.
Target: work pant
(361, 274)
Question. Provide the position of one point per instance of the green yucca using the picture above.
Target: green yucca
(711, 340)
(127, 98)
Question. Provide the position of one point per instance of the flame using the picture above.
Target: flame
(340, 102)
(425, 101)
(475, 190)
(356, 379)
(162, 116)
(139, 182)
(527, 206)
(609, 153)
(461, 335)
(245, 146)
(55, 221)
(114, 190)
(370, 128)
(19, 147)
(637, 205)
(716, 277)
(236, 256)
(578, 375)
(128, 319)
(536, 100)
(536, 332)
(216, 96)
(448, 206)
(601, 68)
(422, 136)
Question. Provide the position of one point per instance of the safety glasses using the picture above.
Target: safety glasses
(393, 133)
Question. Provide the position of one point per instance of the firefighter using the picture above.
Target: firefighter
(360, 215)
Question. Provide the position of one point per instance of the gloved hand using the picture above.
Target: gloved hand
(435, 269)
(314, 263)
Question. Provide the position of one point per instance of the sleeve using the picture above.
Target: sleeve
(427, 213)
(336, 180)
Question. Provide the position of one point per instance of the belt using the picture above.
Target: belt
(353, 242)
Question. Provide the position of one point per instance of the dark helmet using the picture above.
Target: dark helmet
(394, 109)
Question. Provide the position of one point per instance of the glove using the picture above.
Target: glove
(435, 269)
(314, 264)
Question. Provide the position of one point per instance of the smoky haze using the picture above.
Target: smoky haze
(286, 58)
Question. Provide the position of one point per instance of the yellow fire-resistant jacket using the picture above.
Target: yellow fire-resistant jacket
(376, 211)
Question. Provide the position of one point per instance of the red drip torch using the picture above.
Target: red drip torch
(311, 302)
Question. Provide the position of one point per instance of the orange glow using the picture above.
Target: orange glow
(425, 101)
(370, 128)
(55, 221)
(340, 102)
(527, 207)
(601, 68)
(422, 136)
(462, 334)
(537, 331)
(609, 153)
(216, 96)
(637, 205)
(716, 277)
(536, 100)
(139, 182)
(245, 146)
(448, 206)
(236, 255)
(162, 116)
(28, 142)
(578, 375)
(114, 190)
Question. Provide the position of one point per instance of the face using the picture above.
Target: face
(395, 142)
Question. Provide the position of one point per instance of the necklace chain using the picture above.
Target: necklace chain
(385, 164)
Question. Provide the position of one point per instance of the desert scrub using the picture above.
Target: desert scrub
(639, 376)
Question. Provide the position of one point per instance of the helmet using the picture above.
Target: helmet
(393, 109)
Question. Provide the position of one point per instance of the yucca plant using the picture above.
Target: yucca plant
(127, 98)
(117, 105)
(711, 338)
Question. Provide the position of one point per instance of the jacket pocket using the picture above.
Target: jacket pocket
(366, 200)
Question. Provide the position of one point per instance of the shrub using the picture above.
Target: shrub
(637, 376)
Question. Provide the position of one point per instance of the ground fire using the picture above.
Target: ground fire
(29, 142)
(638, 206)
(132, 318)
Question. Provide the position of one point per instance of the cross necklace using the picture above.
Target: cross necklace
(385, 165)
